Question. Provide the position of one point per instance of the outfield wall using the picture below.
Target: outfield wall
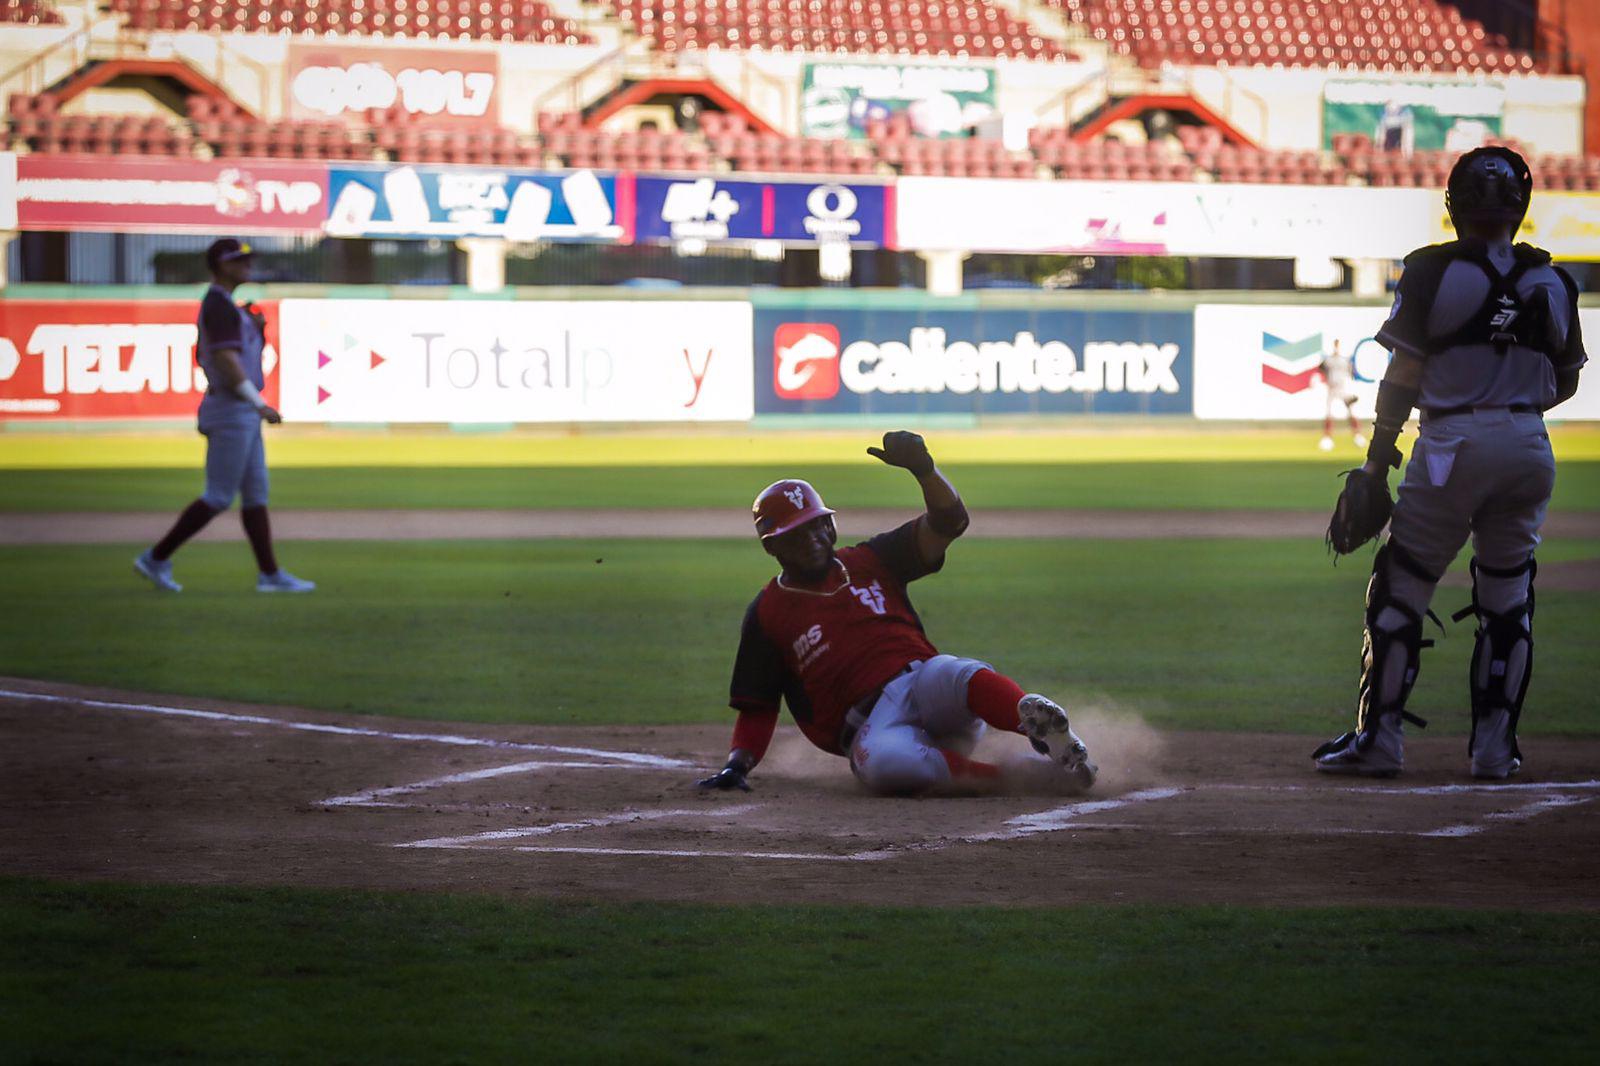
(807, 354)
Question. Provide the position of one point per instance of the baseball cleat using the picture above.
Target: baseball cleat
(1360, 441)
(1379, 753)
(1041, 716)
(283, 581)
(157, 571)
(1326, 444)
(1047, 729)
(1494, 748)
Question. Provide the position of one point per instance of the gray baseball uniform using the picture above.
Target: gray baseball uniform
(236, 462)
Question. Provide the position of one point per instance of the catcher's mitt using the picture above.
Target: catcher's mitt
(1361, 513)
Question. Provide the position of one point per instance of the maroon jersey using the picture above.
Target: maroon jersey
(823, 651)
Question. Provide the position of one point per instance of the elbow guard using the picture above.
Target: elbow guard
(951, 521)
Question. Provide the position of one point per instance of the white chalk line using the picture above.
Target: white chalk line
(1063, 817)
(1416, 790)
(373, 797)
(671, 853)
(1533, 810)
(1066, 817)
(472, 840)
(631, 758)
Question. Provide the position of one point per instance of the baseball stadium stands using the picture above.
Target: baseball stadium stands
(916, 27)
(726, 143)
(1381, 34)
(504, 20)
(29, 13)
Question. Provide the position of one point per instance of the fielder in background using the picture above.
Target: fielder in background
(1337, 375)
(1485, 340)
(835, 636)
(230, 418)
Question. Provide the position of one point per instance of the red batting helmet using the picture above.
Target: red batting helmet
(785, 505)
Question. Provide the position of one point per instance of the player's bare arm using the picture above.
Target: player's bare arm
(945, 516)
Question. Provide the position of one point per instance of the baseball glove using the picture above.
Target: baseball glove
(1361, 513)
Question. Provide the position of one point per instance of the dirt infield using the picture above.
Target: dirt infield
(105, 785)
(136, 527)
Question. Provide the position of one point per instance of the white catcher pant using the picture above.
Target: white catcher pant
(895, 752)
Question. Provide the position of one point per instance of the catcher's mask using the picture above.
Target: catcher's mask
(785, 505)
(1489, 185)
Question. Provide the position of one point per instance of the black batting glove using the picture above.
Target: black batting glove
(727, 779)
(904, 449)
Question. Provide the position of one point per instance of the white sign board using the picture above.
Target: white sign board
(1180, 218)
(502, 362)
(1260, 361)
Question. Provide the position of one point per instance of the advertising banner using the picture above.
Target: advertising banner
(837, 100)
(1423, 116)
(8, 191)
(72, 359)
(846, 360)
(436, 201)
(1162, 218)
(1565, 224)
(1261, 362)
(503, 362)
(1173, 218)
(795, 212)
(445, 86)
(1254, 361)
(165, 196)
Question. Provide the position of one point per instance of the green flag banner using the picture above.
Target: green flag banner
(839, 99)
(1413, 115)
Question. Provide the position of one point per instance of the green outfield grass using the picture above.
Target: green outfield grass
(1081, 441)
(105, 973)
(1260, 635)
(1310, 485)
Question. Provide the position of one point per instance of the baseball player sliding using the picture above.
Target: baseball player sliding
(1485, 340)
(835, 636)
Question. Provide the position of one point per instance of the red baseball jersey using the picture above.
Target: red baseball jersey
(821, 652)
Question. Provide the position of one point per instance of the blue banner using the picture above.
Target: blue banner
(449, 201)
(818, 360)
(796, 212)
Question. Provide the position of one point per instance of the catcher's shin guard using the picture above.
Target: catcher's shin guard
(1502, 658)
(1391, 652)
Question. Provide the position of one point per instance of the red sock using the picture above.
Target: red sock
(259, 529)
(993, 697)
(191, 521)
(972, 769)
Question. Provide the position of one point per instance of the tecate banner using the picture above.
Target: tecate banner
(1264, 362)
(794, 212)
(501, 362)
(429, 201)
(445, 86)
(72, 359)
(819, 360)
(163, 196)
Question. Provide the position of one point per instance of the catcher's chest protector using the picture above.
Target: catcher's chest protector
(1505, 317)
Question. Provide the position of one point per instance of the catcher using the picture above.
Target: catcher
(835, 636)
(1485, 340)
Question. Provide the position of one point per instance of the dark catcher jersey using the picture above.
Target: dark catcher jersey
(821, 652)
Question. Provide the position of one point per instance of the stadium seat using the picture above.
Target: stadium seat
(29, 13)
(1372, 34)
(526, 21)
